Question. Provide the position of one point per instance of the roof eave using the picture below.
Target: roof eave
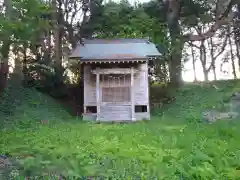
(120, 59)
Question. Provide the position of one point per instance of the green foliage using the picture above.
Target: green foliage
(191, 13)
(121, 20)
(173, 146)
(195, 98)
(27, 20)
(195, 12)
(160, 93)
(132, 150)
(46, 79)
(23, 105)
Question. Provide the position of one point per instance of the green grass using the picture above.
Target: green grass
(173, 145)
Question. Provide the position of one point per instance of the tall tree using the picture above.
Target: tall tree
(232, 53)
(213, 58)
(203, 59)
(57, 36)
(175, 8)
(203, 54)
(236, 26)
(216, 46)
(194, 62)
(6, 42)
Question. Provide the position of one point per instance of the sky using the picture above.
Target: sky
(188, 73)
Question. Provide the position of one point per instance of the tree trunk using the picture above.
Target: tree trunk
(175, 65)
(205, 73)
(18, 66)
(165, 71)
(213, 58)
(236, 26)
(237, 43)
(4, 69)
(177, 44)
(175, 68)
(193, 64)
(56, 32)
(203, 59)
(48, 48)
(232, 57)
(24, 69)
(238, 52)
(214, 72)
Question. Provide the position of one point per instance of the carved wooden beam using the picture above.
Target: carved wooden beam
(114, 71)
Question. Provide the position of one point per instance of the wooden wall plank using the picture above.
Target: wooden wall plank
(141, 85)
(141, 94)
(98, 95)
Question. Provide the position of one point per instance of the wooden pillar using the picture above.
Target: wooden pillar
(132, 95)
(98, 94)
(148, 90)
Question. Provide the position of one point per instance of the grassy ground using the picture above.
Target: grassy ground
(173, 145)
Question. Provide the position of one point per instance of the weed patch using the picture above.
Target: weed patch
(175, 145)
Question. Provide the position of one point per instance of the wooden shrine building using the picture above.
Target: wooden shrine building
(116, 86)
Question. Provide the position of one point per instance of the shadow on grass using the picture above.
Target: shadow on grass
(11, 98)
(22, 107)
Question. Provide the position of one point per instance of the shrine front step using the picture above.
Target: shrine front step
(115, 113)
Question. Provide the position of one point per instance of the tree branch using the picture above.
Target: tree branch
(222, 49)
(219, 53)
(194, 45)
(221, 20)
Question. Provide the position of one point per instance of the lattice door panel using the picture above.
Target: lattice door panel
(116, 94)
(115, 80)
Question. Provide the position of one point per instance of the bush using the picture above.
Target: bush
(46, 79)
(160, 93)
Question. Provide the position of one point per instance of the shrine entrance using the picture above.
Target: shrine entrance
(115, 95)
(115, 88)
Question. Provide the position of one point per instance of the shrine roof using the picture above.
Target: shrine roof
(116, 49)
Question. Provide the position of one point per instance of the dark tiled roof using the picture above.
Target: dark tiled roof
(115, 49)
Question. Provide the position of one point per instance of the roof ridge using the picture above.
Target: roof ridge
(115, 40)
